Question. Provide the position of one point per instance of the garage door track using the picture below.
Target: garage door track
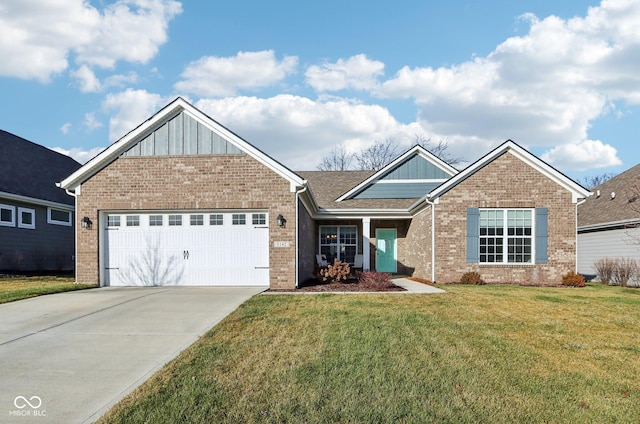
(66, 358)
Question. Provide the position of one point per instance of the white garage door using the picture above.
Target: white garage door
(186, 249)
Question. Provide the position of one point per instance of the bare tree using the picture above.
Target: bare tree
(337, 160)
(595, 180)
(378, 155)
(439, 150)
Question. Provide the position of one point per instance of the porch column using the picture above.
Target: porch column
(366, 253)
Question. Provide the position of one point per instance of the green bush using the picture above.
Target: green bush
(471, 277)
(572, 279)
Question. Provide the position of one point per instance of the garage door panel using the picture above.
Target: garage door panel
(187, 254)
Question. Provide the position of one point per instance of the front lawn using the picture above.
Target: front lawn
(475, 354)
(18, 288)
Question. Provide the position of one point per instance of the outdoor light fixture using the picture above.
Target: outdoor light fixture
(85, 222)
(282, 222)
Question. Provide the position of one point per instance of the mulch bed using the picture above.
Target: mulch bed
(316, 286)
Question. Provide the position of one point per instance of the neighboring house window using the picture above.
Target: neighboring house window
(58, 217)
(8, 215)
(339, 242)
(239, 219)
(26, 218)
(113, 221)
(259, 219)
(507, 236)
(175, 220)
(216, 219)
(133, 220)
(155, 221)
(196, 219)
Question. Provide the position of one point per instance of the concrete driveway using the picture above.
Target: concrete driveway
(66, 358)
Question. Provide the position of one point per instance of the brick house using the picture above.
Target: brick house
(181, 200)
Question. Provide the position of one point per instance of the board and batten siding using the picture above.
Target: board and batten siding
(618, 243)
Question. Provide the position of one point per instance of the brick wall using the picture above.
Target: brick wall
(506, 182)
(416, 249)
(188, 182)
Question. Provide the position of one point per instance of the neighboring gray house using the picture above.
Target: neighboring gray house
(36, 217)
(609, 221)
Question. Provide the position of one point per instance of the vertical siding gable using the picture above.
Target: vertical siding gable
(416, 168)
(182, 135)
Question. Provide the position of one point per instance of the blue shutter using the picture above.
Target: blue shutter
(473, 234)
(542, 235)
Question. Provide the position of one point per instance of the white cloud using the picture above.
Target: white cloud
(90, 122)
(357, 72)
(541, 89)
(38, 36)
(213, 76)
(129, 109)
(65, 128)
(582, 156)
(299, 132)
(78, 153)
(87, 80)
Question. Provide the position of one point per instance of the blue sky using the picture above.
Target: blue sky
(297, 79)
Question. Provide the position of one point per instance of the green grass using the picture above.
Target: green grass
(475, 354)
(12, 289)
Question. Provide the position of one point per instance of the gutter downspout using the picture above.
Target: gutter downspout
(433, 239)
(298, 193)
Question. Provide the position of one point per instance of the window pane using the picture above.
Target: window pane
(155, 220)
(175, 220)
(133, 221)
(215, 219)
(113, 221)
(259, 219)
(196, 219)
(239, 219)
(27, 218)
(60, 215)
(6, 215)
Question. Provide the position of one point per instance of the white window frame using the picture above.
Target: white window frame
(21, 224)
(132, 221)
(11, 223)
(506, 237)
(51, 220)
(216, 219)
(196, 220)
(239, 219)
(259, 219)
(156, 220)
(338, 246)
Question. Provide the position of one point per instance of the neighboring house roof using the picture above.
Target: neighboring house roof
(607, 210)
(29, 171)
(160, 119)
(578, 192)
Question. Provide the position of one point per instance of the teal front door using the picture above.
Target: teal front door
(386, 250)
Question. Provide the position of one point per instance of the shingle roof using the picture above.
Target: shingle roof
(623, 207)
(32, 170)
(327, 186)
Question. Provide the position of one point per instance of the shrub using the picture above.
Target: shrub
(372, 279)
(337, 271)
(604, 269)
(626, 269)
(471, 277)
(617, 271)
(573, 279)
